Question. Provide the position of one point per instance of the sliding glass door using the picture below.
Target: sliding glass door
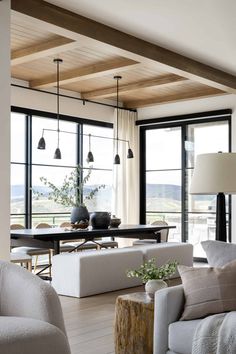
(201, 209)
(163, 177)
(168, 155)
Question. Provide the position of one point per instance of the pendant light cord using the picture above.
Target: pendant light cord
(58, 103)
(89, 142)
(117, 102)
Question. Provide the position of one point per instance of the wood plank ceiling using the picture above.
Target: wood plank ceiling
(93, 53)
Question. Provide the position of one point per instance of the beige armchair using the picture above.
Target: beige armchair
(31, 318)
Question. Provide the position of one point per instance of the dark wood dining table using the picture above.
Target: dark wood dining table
(51, 237)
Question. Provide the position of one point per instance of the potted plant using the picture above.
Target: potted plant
(70, 194)
(152, 276)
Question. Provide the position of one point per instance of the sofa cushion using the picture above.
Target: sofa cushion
(208, 290)
(20, 335)
(181, 336)
(219, 253)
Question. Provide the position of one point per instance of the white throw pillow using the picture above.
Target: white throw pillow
(219, 253)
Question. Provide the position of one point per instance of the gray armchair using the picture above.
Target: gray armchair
(172, 336)
(31, 318)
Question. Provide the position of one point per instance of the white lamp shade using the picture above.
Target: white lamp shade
(214, 173)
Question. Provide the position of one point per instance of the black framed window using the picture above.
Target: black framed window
(101, 168)
(167, 156)
(28, 164)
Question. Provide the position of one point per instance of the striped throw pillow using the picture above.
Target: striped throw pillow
(208, 290)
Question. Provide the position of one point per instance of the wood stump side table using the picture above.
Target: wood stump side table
(134, 318)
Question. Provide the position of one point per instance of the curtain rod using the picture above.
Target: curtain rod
(74, 98)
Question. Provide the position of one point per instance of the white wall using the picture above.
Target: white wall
(194, 106)
(5, 129)
(45, 102)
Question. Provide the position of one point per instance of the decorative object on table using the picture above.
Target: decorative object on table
(115, 222)
(153, 285)
(215, 173)
(100, 220)
(80, 225)
(152, 276)
(134, 319)
(69, 194)
(79, 214)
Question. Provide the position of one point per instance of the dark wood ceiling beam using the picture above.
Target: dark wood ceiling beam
(71, 25)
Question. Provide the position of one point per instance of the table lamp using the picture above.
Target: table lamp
(215, 173)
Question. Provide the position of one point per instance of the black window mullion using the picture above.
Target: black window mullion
(28, 182)
(80, 152)
(184, 202)
(142, 174)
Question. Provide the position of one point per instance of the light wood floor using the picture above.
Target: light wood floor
(89, 322)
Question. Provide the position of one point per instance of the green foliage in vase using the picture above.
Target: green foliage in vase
(149, 271)
(70, 192)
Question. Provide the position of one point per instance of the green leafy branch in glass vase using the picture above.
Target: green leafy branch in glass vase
(70, 193)
(149, 271)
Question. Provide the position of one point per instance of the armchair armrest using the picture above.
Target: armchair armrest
(169, 304)
(25, 295)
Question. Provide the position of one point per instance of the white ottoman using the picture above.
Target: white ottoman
(169, 251)
(95, 272)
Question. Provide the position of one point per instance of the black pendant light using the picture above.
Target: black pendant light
(57, 154)
(90, 157)
(117, 157)
(42, 143)
(130, 154)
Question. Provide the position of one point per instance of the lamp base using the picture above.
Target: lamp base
(221, 234)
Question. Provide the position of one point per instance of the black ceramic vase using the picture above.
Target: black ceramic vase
(100, 220)
(78, 214)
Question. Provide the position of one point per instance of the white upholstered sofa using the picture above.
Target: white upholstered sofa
(172, 336)
(31, 318)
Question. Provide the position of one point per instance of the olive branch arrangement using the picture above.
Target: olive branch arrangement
(149, 271)
(71, 191)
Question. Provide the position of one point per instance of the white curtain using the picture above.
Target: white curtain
(126, 175)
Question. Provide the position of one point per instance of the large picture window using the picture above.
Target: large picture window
(170, 151)
(28, 165)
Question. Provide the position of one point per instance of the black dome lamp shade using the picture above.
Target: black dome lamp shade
(57, 154)
(42, 143)
(130, 154)
(90, 157)
(117, 160)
